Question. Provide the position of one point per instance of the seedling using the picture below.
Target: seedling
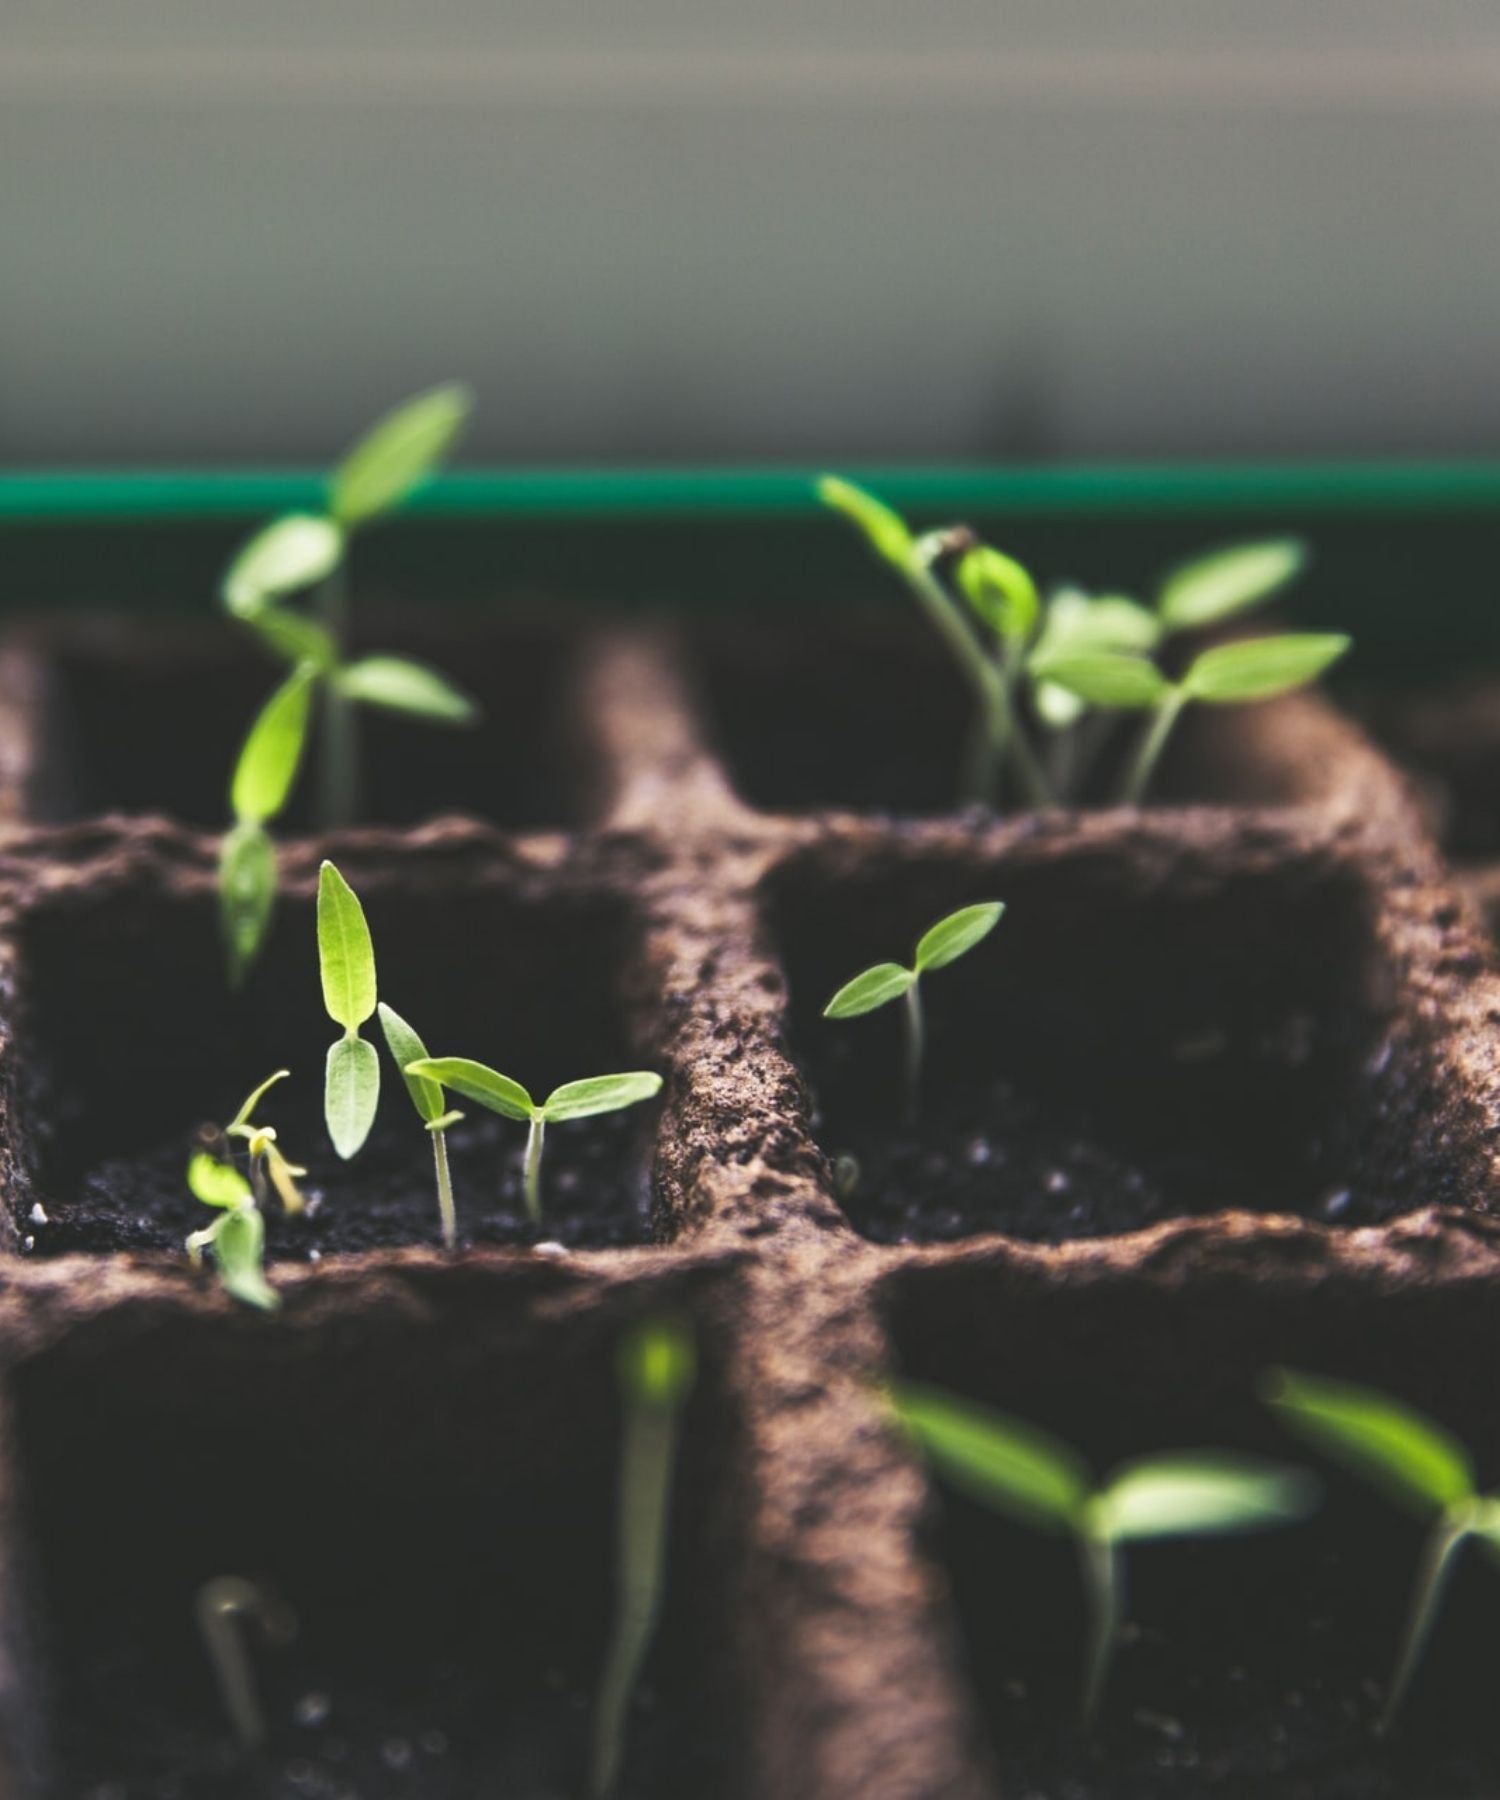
(237, 1237)
(573, 1100)
(226, 1607)
(657, 1367)
(938, 946)
(346, 961)
(269, 1167)
(1033, 1478)
(1417, 1465)
(427, 1096)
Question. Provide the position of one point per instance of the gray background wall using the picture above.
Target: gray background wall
(800, 228)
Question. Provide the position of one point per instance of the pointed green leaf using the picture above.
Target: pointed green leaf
(216, 1183)
(1260, 668)
(272, 752)
(1213, 588)
(397, 452)
(1105, 678)
(1200, 1496)
(1075, 621)
(239, 1250)
(874, 987)
(952, 937)
(406, 1047)
(288, 554)
(351, 1093)
(1007, 1464)
(1001, 593)
(346, 957)
(476, 1082)
(885, 531)
(247, 1111)
(600, 1094)
(658, 1363)
(396, 685)
(247, 894)
(1414, 1460)
(289, 634)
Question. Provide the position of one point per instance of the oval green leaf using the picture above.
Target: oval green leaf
(396, 685)
(351, 1093)
(874, 987)
(406, 1047)
(1104, 678)
(952, 937)
(247, 894)
(1000, 591)
(239, 1250)
(216, 1183)
(1202, 1496)
(885, 531)
(1260, 668)
(397, 452)
(272, 752)
(658, 1363)
(1213, 588)
(600, 1094)
(346, 957)
(475, 1081)
(1076, 622)
(290, 553)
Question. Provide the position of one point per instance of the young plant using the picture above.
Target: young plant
(269, 1167)
(938, 946)
(573, 1100)
(1033, 1478)
(657, 1368)
(346, 962)
(237, 1237)
(225, 1608)
(427, 1096)
(1417, 1465)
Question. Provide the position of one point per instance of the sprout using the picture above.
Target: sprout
(573, 1100)
(1029, 1475)
(1417, 1464)
(237, 1237)
(269, 1167)
(346, 961)
(657, 1367)
(427, 1096)
(224, 1606)
(938, 946)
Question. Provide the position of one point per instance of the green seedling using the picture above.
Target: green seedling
(346, 962)
(1417, 1465)
(938, 946)
(573, 1100)
(427, 1096)
(237, 1237)
(306, 550)
(1030, 1476)
(269, 1168)
(226, 1607)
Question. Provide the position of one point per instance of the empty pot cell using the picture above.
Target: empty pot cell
(123, 1053)
(1146, 1033)
(434, 1507)
(151, 721)
(1254, 1666)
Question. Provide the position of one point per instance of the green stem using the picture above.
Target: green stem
(338, 755)
(1101, 1576)
(533, 1169)
(446, 1210)
(222, 1607)
(1153, 742)
(1443, 1543)
(916, 1038)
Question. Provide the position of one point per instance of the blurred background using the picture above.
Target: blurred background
(803, 229)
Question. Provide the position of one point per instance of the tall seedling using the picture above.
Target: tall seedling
(346, 962)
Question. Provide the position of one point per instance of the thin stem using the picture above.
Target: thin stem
(1153, 742)
(1443, 1543)
(338, 755)
(446, 1210)
(916, 1038)
(1101, 1577)
(533, 1169)
(222, 1607)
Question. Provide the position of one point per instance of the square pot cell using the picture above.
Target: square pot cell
(863, 712)
(1142, 1036)
(1254, 1667)
(150, 719)
(127, 1042)
(431, 1491)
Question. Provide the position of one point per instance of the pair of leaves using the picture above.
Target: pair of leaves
(941, 944)
(1227, 674)
(238, 1238)
(346, 965)
(573, 1100)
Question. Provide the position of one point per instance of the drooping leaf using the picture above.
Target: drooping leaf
(885, 531)
(1000, 591)
(1213, 588)
(397, 452)
(1199, 1496)
(272, 752)
(874, 987)
(216, 1183)
(284, 1176)
(247, 1111)
(1260, 668)
(351, 1093)
(346, 957)
(1105, 678)
(658, 1363)
(239, 1250)
(1007, 1464)
(290, 553)
(950, 938)
(1415, 1461)
(291, 635)
(247, 894)
(600, 1094)
(396, 685)
(405, 1048)
(475, 1081)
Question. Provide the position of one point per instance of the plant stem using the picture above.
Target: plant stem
(1153, 742)
(1101, 1576)
(533, 1170)
(646, 1461)
(445, 1190)
(916, 1038)
(1445, 1540)
(338, 755)
(221, 1607)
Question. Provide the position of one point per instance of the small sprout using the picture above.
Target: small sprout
(938, 946)
(573, 1100)
(346, 961)
(1413, 1461)
(268, 1164)
(657, 1370)
(1029, 1475)
(225, 1607)
(237, 1237)
(427, 1096)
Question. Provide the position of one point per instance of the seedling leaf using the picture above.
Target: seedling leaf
(1105, 678)
(875, 987)
(658, 1363)
(950, 938)
(239, 1250)
(1001, 593)
(216, 1183)
(1260, 668)
(247, 893)
(1213, 588)
(351, 1093)
(599, 1094)
(396, 685)
(406, 1048)
(1076, 621)
(1008, 1465)
(885, 530)
(1182, 1496)
(290, 553)
(247, 1111)
(346, 957)
(477, 1082)
(397, 452)
(272, 753)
